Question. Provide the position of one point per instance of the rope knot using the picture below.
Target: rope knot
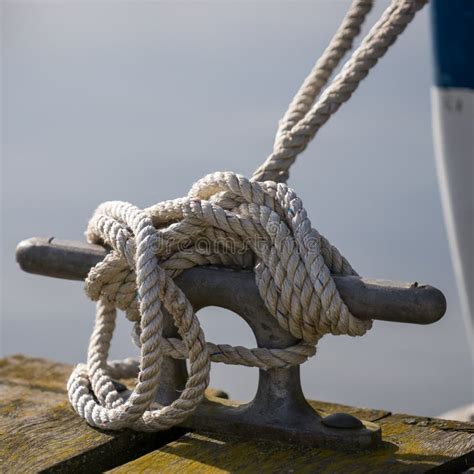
(226, 220)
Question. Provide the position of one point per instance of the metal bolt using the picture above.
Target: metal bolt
(342, 421)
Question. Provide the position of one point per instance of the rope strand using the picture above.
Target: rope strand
(339, 45)
(291, 142)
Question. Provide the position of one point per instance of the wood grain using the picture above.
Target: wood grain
(39, 432)
(408, 449)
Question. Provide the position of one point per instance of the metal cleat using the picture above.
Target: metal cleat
(279, 410)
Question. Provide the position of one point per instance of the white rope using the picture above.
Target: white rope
(290, 142)
(268, 230)
(339, 45)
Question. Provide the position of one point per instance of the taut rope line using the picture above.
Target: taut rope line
(265, 227)
(298, 129)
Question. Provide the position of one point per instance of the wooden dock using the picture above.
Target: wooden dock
(39, 432)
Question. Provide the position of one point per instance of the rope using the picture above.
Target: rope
(225, 220)
(340, 44)
(295, 134)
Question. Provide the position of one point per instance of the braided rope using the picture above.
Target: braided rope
(227, 220)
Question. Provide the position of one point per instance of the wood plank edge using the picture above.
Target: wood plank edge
(126, 447)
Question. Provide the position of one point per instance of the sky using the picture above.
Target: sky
(136, 100)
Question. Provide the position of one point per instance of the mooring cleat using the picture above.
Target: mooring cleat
(279, 410)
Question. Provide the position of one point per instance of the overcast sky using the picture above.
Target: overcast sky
(136, 100)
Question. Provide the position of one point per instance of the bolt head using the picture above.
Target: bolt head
(342, 421)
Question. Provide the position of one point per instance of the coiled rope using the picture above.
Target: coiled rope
(265, 227)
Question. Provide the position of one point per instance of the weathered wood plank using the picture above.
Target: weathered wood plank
(408, 449)
(39, 431)
(34, 372)
(411, 444)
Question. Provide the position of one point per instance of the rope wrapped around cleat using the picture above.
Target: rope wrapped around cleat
(226, 220)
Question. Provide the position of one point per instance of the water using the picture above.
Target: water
(135, 101)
